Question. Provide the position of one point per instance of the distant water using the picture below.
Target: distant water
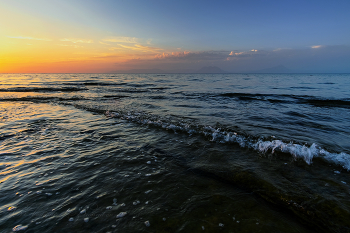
(175, 152)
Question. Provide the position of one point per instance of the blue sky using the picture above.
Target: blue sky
(222, 24)
(237, 36)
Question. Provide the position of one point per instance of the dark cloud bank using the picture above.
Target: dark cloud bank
(315, 59)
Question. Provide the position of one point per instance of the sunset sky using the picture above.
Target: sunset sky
(106, 36)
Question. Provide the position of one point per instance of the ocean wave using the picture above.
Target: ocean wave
(298, 151)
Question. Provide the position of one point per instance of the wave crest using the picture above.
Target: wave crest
(298, 151)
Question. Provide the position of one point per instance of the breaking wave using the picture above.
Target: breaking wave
(298, 151)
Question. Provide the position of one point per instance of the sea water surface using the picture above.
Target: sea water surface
(174, 152)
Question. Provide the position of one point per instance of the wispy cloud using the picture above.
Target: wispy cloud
(114, 48)
(141, 48)
(249, 53)
(317, 46)
(122, 39)
(77, 41)
(280, 49)
(103, 43)
(233, 53)
(172, 54)
(28, 38)
(71, 45)
(192, 56)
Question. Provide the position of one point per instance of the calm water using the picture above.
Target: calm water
(175, 153)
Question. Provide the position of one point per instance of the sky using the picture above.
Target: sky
(109, 36)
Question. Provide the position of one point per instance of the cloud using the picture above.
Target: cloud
(122, 39)
(28, 38)
(114, 48)
(172, 54)
(141, 48)
(326, 59)
(280, 49)
(234, 55)
(103, 43)
(317, 46)
(77, 41)
(70, 45)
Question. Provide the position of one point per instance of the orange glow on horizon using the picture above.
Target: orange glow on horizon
(24, 54)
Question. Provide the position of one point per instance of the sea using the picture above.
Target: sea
(174, 152)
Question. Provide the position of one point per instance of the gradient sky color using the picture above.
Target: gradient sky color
(90, 36)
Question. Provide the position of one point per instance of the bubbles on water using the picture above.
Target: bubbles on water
(71, 219)
(109, 207)
(83, 211)
(148, 191)
(147, 223)
(86, 219)
(115, 201)
(221, 225)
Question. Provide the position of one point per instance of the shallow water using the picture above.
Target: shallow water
(235, 153)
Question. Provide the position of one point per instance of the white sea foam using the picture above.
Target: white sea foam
(298, 151)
